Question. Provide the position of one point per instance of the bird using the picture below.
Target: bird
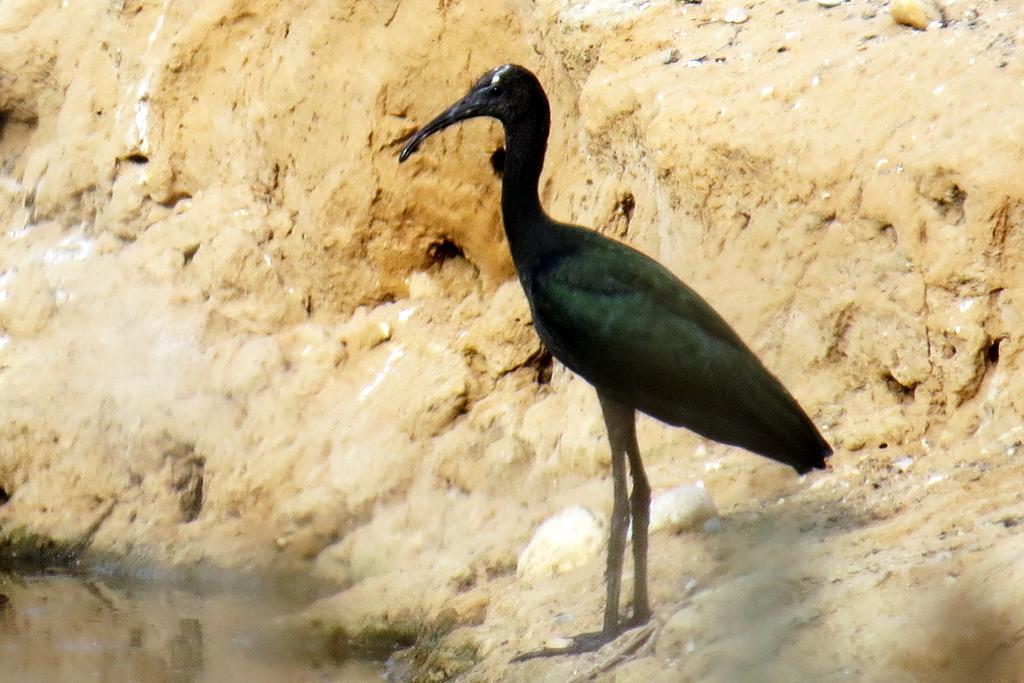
(641, 337)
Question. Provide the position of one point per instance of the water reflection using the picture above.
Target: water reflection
(65, 629)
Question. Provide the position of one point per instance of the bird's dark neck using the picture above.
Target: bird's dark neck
(525, 143)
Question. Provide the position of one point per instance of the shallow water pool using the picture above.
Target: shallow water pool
(59, 628)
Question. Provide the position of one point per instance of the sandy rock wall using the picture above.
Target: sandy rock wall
(184, 279)
(872, 221)
(235, 329)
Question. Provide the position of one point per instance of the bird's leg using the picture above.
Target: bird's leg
(619, 421)
(616, 545)
(640, 508)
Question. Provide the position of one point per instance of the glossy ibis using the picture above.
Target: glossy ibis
(624, 323)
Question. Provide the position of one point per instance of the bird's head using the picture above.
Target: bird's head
(507, 93)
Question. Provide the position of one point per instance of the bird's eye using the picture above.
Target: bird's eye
(496, 90)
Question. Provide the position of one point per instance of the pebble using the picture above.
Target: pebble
(830, 3)
(714, 525)
(903, 464)
(919, 14)
(737, 15)
(561, 543)
(683, 508)
(559, 643)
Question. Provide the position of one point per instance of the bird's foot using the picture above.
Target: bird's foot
(638, 619)
(628, 640)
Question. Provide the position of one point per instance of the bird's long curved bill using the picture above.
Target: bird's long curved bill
(463, 109)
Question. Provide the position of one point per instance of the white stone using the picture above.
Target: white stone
(737, 15)
(561, 543)
(683, 508)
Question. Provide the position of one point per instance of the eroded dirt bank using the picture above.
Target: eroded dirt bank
(237, 331)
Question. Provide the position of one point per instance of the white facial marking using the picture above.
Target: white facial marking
(499, 72)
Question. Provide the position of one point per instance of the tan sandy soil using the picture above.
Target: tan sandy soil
(236, 331)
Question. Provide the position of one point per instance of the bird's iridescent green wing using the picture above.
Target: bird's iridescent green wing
(609, 291)
(625, 323)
